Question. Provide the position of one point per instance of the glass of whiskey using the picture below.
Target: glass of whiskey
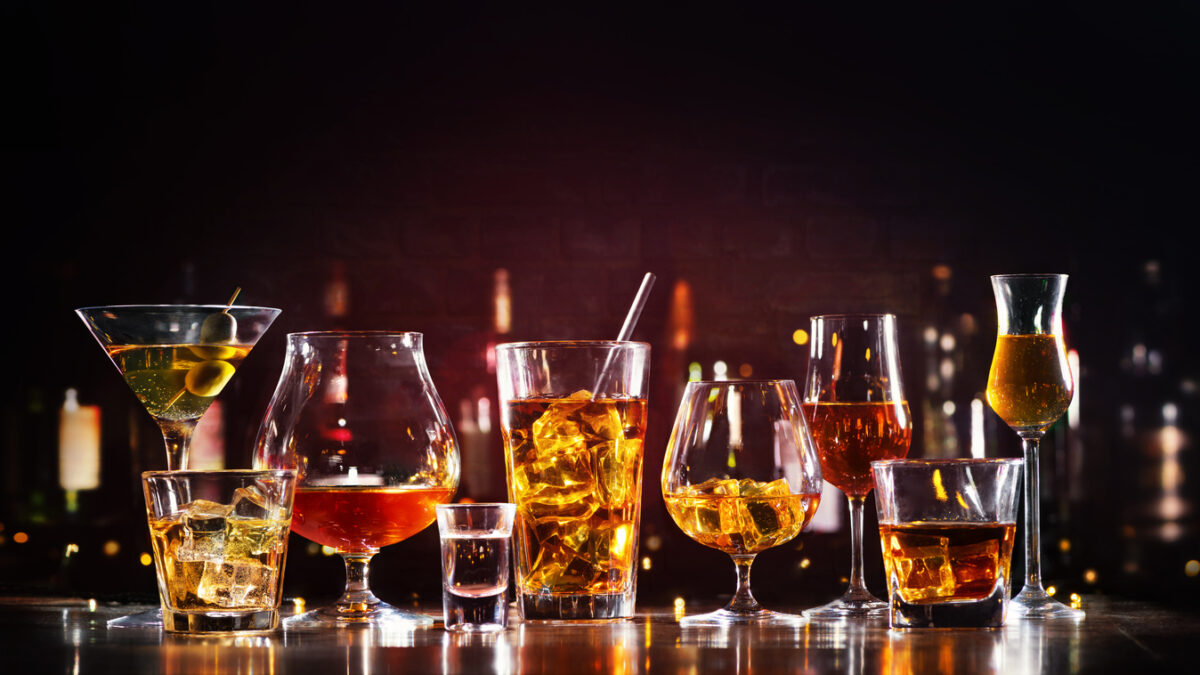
(475, 565)
(220, 540)
(946, 528)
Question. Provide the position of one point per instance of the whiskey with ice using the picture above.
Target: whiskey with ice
(575, 472)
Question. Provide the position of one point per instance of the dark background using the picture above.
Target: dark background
(767, 163)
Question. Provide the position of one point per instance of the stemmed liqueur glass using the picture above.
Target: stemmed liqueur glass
(357, 415)
(854, 400)
(177, 359)
(741, 475)
(1030, 386)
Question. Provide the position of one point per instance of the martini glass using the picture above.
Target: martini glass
(176, 359)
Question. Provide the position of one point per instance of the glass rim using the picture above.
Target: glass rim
(189, 473)
(571, 344)
(749, 380)
(338, 334)
(854, 315)
(179, 307)
(472, 506)
(1029, 275)
(950, 461)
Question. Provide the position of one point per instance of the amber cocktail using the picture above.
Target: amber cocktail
(574, 423)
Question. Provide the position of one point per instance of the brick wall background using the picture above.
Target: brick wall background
(779, 162)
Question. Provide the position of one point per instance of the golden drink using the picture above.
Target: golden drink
(177, 382)
(851, 435)
(741, 516)
(1030, 384)
(938, 562)
(574, 470)
(209, 558)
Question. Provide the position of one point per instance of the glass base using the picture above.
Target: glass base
(578, 607)
(724, 617)
(1035, 604)
(381, 615)
(851, 606)
(220, 623)
(149, 620)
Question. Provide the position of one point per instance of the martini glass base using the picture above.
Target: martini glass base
(724, 617)
(1035, 604)
(150, 619)
(850, 607)
(381, 615)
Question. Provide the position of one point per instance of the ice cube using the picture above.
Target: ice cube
(922, 566)
(251, 502)
(203, 531)
(975, 567)
(250, 537)
(236, 584)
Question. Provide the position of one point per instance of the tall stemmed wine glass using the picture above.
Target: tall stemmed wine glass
(357, 415)
(854, 399)
(1030, 386)
(176, 359)
(741, 475)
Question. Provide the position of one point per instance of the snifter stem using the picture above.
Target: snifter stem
(357, 600)
(743, 601)
(1033, 537)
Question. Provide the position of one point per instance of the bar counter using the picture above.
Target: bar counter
(71, 636)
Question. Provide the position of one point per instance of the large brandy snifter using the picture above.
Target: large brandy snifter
(357, 415)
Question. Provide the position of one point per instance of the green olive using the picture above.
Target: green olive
(208, 378)
(214, 352)
(219, 327)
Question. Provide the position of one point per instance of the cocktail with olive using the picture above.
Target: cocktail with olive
(177, 358)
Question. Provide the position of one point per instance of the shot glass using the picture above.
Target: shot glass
(475, 563)
(946, 528)
(220, 540)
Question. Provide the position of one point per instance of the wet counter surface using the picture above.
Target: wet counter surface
(60, 636)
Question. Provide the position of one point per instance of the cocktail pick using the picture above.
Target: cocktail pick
(218, 327)
(631, 319)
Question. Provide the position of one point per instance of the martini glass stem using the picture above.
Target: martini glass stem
(743, 601)
(178, 437)
(1033, 534)
(358, 598)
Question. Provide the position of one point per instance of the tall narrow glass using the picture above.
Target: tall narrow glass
(357, 415)
(854, 399)
(1030, 386)
(741, 475)
(573, 416)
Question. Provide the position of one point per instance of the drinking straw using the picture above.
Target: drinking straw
(631, 319)
(635, 310)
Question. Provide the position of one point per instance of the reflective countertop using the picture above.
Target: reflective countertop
(71, 636)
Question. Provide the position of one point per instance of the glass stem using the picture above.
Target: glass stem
(858, 585)
(358, 598)
(178, 437)
(743, 601)
(1033, 533)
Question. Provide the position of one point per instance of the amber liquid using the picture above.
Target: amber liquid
(849, 436)
(1030, 384)
(237, 566)
(740, 524)
(575, 473)
(946, 562)
(362, 519)
(177, 382)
